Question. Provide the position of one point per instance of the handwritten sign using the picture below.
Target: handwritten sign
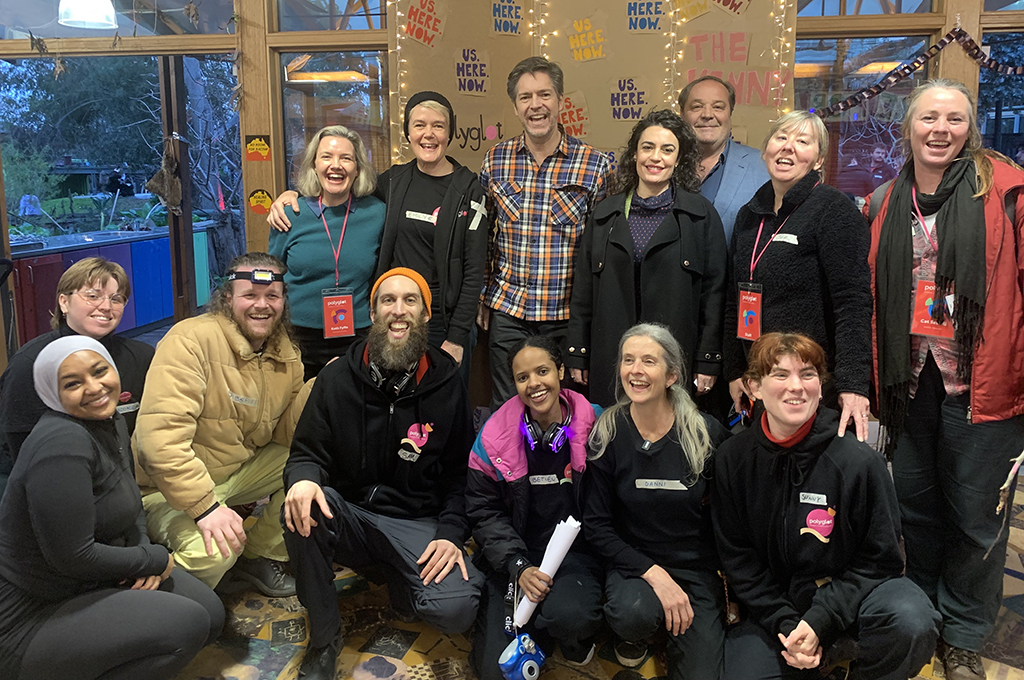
(424, 22)
(472, 72)
(627, 100)
(586, 43)
(645, 16)
(613, 158)
(575, 115)
(506, 17)
(753, 86)
(719, 47)
(734, 7)
(691, 9)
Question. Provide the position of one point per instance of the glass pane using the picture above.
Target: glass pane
(1000, 107)
(123, 17)
(864, 140)
(336, 88)
(78, 153)
(831, 8)
(1003, 5)
(331, 15)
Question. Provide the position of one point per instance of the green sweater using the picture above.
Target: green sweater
(310, 257)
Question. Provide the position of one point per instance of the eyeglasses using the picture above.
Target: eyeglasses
(93, 299)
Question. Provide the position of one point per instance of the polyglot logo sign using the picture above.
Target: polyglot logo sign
(338, 315)
(820, 524)
(475, 135)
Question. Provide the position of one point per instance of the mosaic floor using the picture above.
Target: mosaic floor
(265, 638)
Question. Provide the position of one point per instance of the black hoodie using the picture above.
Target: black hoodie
(401, 456)
(805, 532)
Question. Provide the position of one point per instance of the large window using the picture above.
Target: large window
(865, 140)
(336, 88)
(831, 8)
(331, 15)
(1001, 98)
(94, 18)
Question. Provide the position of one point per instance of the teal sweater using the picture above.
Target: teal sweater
(310, 258)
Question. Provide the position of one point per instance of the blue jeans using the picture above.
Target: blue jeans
(947, 473)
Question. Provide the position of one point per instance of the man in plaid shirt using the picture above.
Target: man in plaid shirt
(541, 188)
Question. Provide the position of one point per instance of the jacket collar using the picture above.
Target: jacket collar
(279, 348)
(687, 202)
(763, 202)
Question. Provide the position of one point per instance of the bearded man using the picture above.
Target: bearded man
(215, 425)
(377, 472)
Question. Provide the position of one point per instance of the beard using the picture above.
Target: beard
(258, 337)
(397, 355)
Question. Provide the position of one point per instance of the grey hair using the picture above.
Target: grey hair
(690, 428)
(798, 120)
(308, 184)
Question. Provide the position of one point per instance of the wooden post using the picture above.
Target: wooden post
(173, 100)
(953, 61)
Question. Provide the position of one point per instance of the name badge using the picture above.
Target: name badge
(422, 217)
(338, 312)
(922, 322)
(128, 408)
(748, 319)
(542, 480)
(244, 401)
(786, 238)
(813, 498)
(669, 484)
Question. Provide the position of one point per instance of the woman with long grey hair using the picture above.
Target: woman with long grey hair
(644, 511)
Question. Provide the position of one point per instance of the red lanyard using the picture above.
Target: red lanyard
(337, 252)
(920, 218)
(753, 261)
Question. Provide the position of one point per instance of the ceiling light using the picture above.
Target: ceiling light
(87, 14)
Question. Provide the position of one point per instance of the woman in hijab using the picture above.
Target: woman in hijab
(949, 357)
(83, 592)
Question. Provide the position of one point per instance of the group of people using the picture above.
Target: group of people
(707, 278)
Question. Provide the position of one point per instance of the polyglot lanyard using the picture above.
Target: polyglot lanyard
(757, 241)
(341, 239)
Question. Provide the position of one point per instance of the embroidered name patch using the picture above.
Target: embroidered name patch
(670, 484)
(813, 498)
(244, 401)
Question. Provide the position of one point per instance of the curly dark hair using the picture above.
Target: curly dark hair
(685, 174)
(542, 342)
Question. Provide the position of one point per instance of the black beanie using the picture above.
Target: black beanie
(428, 96)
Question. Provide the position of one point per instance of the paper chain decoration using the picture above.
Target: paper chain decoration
(903, 71)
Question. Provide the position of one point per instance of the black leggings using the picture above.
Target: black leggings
(112, 634)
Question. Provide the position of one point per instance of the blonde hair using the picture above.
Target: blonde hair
(308, 184)
(690, 428)
(86, 272)
(799, 120)
(981, 156)
(436, 107)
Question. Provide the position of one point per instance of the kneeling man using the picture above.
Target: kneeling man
(808, 531)
(377, 472)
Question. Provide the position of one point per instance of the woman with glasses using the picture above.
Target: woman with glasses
(91, 296)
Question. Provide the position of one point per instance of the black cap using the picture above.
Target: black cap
(428, 96)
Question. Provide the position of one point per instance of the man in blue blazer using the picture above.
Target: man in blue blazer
(730, 172)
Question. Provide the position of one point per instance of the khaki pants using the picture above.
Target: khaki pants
(258, 477)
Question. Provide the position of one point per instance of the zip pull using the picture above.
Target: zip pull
(969, 414)
(393, 410)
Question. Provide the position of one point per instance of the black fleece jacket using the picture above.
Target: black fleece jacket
(805, 532)
(460, 242)
(401, 456)
(815, 276)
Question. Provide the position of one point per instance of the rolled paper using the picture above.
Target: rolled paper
(561, 540)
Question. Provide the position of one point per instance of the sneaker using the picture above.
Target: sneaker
(962, 664)
(319, 662)
(574, 660)
(630, 654)
(268, 576)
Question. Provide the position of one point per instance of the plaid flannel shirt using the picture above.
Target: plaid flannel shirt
(538, 213)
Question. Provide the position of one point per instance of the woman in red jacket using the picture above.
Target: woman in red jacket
(949, 357)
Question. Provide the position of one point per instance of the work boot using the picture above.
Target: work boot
(962, 664)
(268, 576)
(319, 662)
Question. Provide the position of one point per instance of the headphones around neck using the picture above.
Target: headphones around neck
(555, 436)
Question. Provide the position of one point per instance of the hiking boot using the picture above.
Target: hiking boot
(268, 576)
(962, 664)
(630, 654)
(319, 662)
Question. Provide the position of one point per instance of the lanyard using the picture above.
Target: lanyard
(920, 218)
(757, 240)
(337, 252)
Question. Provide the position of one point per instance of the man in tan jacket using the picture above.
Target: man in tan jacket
(215, 427)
